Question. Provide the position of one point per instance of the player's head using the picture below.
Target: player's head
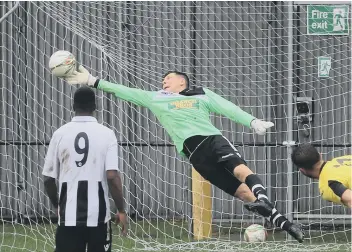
(175, 82)
(84, 101)
(308, 160)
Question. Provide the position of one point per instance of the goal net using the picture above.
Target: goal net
(258, 55)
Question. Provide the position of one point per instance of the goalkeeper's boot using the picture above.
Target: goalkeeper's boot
(261, 206)
(296, 232)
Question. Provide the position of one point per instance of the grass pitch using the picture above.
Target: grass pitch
(173, 236)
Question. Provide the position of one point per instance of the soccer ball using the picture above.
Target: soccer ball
(255, 233)
(62, 63)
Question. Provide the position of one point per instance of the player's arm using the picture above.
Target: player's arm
(114, 182)
(113, 175)
(218, 104)
(341, 191)
(137, 96)
(51, 190)
(346, 198)
(50, 172)
(115, 187)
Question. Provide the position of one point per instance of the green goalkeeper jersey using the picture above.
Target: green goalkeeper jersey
(182, 116)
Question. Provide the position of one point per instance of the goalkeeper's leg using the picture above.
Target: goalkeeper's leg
(222, 178)
(228, 157)
(262, 205)
(219, 162)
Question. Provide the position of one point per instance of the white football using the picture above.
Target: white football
(255, 233)
(62, 63)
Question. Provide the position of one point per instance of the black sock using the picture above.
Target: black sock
(256, 186)
(279, 220)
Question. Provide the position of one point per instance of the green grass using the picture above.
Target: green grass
(172, 236)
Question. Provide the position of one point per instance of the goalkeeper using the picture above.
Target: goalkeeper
(184, 113)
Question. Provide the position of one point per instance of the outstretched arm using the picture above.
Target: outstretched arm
(343, 192)
(218, 104)
(137, 96)
(346, 198)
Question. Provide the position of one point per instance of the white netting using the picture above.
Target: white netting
(245, 51)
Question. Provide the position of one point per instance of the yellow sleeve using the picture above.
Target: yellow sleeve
(338, 169)
(343, 170)
(329, 195)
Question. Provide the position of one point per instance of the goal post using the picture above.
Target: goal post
(201, 207)
(270, 58)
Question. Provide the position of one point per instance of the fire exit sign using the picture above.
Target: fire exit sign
(327, 19)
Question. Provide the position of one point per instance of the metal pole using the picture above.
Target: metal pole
(329, 223)
(9, 12)
(290, 141)
(268, 149)
(324, 216)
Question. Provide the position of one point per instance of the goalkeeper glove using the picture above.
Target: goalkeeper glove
(260, 126)
(82, 76)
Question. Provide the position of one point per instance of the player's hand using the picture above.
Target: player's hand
(260, 126)
(82, 76)
(122, 218)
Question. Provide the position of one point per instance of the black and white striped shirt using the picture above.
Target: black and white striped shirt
(79, 154)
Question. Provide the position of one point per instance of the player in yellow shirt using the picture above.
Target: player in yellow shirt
(334, 176)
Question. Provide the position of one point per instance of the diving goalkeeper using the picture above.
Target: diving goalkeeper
(184, 113)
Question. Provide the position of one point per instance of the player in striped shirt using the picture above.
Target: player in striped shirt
(184, 113)
(82, 156)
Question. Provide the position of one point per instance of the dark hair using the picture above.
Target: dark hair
(184, 76)
(84, 100)
(305, 156)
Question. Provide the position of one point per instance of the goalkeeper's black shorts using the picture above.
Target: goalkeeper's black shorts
(215, 158)
(77, 239)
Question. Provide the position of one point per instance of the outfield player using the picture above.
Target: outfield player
(335, 176)
(184, 113)
(82, 156)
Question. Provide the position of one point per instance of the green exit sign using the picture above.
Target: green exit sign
(327, 19)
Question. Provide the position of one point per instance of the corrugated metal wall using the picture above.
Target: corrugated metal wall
(332, 103)
(238, 49)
